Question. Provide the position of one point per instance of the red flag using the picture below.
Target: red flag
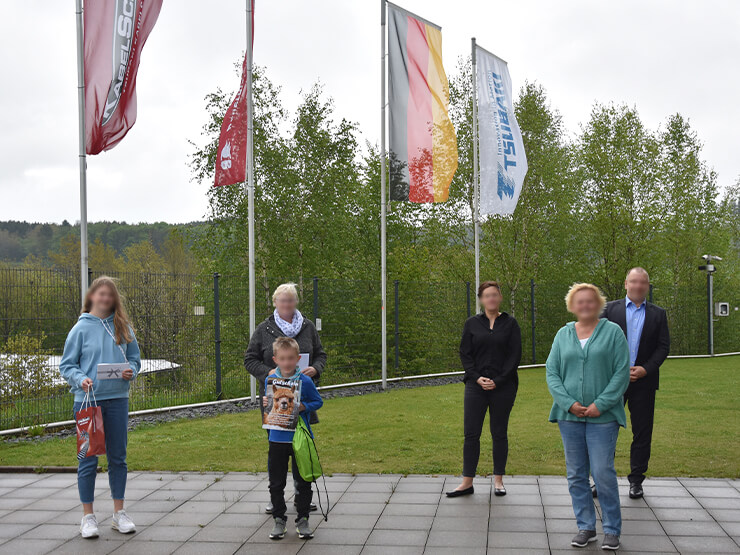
(115, 33)
(231, 156)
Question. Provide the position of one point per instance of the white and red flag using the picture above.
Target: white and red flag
(115, 33)
(231, 156)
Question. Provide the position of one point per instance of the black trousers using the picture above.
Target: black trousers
(498, 403)
(641, 403)
(277, 470)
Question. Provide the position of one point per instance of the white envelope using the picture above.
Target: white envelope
(303, 362)
(112, 371)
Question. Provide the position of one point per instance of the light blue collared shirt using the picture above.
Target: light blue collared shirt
(635, 321)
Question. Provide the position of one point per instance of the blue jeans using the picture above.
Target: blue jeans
(115, 424)
(591, 446)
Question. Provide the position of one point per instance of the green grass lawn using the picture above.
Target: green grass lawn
(697, 432)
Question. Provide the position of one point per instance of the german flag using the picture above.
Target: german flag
(422, 142)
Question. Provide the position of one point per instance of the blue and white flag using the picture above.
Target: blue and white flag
(503, 163)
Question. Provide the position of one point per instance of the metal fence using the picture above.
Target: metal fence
(193, 331)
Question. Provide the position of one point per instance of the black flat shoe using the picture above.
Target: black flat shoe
(636, 491)
(460, 492)
(499, 492)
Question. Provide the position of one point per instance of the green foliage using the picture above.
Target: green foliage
(24, 368)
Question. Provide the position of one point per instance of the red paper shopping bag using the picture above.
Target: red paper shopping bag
(90, 433)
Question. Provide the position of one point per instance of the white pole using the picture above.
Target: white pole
(383, 324)
(82, 150)
(250, 187)
(476, 192)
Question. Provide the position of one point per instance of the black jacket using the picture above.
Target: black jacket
(492, 353)
(258, 358)
(655, 341)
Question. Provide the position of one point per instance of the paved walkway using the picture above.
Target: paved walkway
(217, 514)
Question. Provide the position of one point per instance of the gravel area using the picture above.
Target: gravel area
(238, 407)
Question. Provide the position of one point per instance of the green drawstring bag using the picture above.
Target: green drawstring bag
(305, 454)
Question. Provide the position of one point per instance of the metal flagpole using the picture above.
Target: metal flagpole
(383, 324)
(82, 151)
(250, 187)
(476, 192)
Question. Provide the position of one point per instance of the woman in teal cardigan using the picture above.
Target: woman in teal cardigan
(587, 374)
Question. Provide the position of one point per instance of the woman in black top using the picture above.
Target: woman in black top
(490, 351)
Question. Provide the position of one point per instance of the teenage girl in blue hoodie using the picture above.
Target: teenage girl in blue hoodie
(103, 334)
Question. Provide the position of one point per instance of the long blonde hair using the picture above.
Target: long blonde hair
(121, 321)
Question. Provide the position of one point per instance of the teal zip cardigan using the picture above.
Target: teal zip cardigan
(598, 373)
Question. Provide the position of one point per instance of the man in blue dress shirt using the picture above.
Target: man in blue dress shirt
(646, 328)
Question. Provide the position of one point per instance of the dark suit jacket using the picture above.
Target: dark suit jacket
(655, 340)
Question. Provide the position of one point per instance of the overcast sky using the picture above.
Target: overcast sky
(661, 56)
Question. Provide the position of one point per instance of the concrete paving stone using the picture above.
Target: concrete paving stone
(415, 498)
(673, 502)
(181, 519)
(29, 547)
(19, 480)
(56, 481)
(153, 506)
(704, 482)
(639, 513)
(625, 501)
(426, 478)
(371, 487)
(692, 528)
(378, 478)
(665, 491)
(725, 515)
(240, 520)
(552, 480)
(187, 483)
(216, 495)
(556, 499)
(510, 551)
(647, 543)
(460, 524)
(13, 503)
(393, 550)
(719, 502)
(478, 498)
(79, 546)
(642, 528)
(171, 495)
(52, 532)
(342, 508)
(700, 492)
(517, 500)
(681, 514)
(221, 548)
(461, 539)
(529, 489)
(273, 548)
(558, 511)
(377, 497)
(28, 517)
(4, 490)
(204, 507)
(435, 550)
(520, 480)
(695, 544)
(397, 537)
(239, 486)
(558, 489)
(396, 522)
(247, 507)
(12, 530)
(317, 549)
(31, 493)
(732, 528)
(560, 543)
(528, 540)
(479, 510)
(349, 521)
(405, 486)
(341, 536)
(73, 493)
(53, 504)
(517, 525)
(563, 526)
(148, 548)
(401, 509)
(162, 533)
(227, 533)
(259, 496)
(521, 511)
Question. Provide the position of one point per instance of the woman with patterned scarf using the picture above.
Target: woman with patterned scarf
(285, 321)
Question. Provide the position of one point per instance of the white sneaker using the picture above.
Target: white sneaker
(89, 527)
(123, 523)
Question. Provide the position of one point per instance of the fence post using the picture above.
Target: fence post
(467, 295)
(89, 277)
(217, 333)
(396, 313)
(650, 294)
(315, 299)
(532, 309)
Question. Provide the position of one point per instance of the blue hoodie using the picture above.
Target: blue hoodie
(89, 344)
